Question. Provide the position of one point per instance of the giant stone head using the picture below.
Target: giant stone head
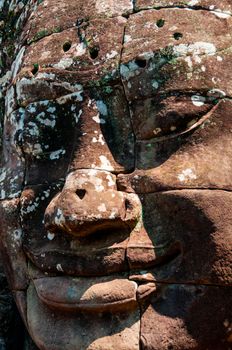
(116, 178)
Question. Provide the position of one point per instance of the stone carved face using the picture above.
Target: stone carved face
(116, 183)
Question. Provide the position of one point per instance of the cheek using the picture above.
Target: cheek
(47, 138)
(34, 201)
(11, 244)
(191, 229)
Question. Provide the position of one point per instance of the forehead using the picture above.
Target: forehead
(171, 42)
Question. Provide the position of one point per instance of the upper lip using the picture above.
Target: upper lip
(98, 262)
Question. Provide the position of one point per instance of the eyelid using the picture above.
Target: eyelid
(192, 127)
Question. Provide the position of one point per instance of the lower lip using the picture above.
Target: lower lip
(104, 294)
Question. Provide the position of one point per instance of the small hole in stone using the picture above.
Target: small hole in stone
(80, 193)
(67, 46)
(35, 68)
(160, 22)
(93, 52)
(178, 36)
(170, 347)
(141, 63)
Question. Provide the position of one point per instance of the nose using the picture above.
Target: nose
(89, 203)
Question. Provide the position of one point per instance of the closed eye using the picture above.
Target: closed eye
(163, 118)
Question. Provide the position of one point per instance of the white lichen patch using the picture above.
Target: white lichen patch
(102, 108)
(157, 131)
(155, 84)
(30, 208)
(198, 48)
(2, 194)
(46, 193)
(99, 187)
(193, 2)
(47, 76)
(129, 70)
(50, 236)
(186, 175)
(80, 49)
(51, 109)
(3, 173)
(105, 163)
(17, 62)
(10, 100)
(189, 61)
(64, 63)
(216, 93)
(59, 218)
(43, 119)
(127, 38)
(113, 213)
(59, 268)
(98, 120)
(57, 154)
(219, 59)
(101, 208)
(98, 140)
(111, 181)
(111, 55)
(198, 100)
(33, 129)
(222, 14)
(77, 116)
(73, 97)
(4, 81)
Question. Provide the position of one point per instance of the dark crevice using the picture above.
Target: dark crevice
(142, 63)
(140, 325)
(181, 189)
(152, 192)
(199, 284)
(184, 93)
(134, 5)
(124, 90)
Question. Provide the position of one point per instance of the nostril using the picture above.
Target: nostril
(80, 193)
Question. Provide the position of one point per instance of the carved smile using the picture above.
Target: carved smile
(113, 293)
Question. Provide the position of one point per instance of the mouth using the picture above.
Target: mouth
(105, 294)
(115, 292)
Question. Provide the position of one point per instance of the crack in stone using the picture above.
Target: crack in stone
(124, 90)
(137, 192)
(183, 7)
(134, 11)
